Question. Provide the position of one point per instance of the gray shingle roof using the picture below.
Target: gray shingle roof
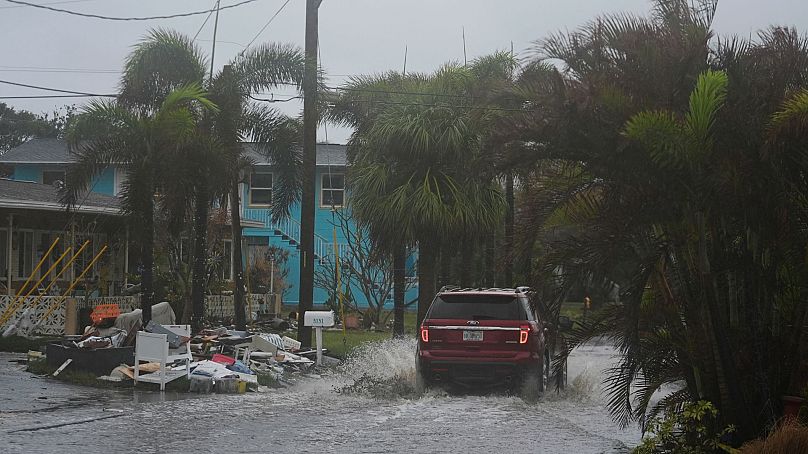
(55, 151)
(328, 154)
(50, 151)
(28, 195)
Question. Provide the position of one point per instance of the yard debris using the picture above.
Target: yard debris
(62, 367)
(161, 313)
(224, 360)
(174, 339)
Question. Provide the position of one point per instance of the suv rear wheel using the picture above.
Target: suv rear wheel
(533, 381)
(421, 381)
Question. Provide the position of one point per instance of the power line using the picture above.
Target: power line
(58, 90)
(98, 16)
(468, 106)
(51, 3)
(221, 41)
(275, 100)
(57, 96)
(55, 69)
(360, 90)
(58, 71)
(267, 24)
(203, 24)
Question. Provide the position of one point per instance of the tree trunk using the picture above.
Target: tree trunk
(426, 279)
(466, 258)
(306, 289)
(147, 254)
(238, 266)
(201, 208)
(399, 275)
(509, 220)
(445, 272)
(489, 273)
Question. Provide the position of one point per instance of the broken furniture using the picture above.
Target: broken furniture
(97, 360)
(154, 347)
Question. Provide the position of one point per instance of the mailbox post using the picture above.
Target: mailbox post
(319, 320)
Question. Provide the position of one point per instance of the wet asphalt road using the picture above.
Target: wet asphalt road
(40, 415)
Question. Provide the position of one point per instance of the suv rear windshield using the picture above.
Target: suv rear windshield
(477, 307)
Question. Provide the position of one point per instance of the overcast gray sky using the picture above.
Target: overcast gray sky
(356, 36)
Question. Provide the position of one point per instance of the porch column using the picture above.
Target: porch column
(126, 259)
(73, 243)
(9, 254)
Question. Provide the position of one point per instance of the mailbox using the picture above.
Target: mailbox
(322, 319)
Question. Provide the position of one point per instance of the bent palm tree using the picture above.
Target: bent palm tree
(108, 133)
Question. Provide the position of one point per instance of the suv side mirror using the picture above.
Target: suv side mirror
(564, 323)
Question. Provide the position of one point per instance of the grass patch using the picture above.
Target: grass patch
(333, 340)
(19, 344)
(573, 310)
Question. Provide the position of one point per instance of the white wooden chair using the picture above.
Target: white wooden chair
(152, 347)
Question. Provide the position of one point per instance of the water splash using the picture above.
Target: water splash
(382, 360)
(386, 370)
(381, 370)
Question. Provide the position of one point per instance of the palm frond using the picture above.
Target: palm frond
(705, 101)
(163, 61)
(269, 65)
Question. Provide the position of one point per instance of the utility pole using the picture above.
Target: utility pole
(306, 288)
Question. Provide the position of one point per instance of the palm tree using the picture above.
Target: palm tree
(417, 173)
(167, 59)
(675, 169)
(141, 140)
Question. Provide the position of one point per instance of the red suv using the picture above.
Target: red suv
(482, 336)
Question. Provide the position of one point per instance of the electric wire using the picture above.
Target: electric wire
(387, 102)
(57, 96)
(99, 16)
(203, 24)
(57, 90)
(266, 25)
(51, 3)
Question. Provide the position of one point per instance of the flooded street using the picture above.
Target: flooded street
(44, 416)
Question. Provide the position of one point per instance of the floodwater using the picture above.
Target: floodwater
(369, 405)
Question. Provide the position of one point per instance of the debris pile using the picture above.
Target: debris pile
(218, 359)
(264, 355)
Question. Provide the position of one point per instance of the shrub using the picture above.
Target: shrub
(686, 431)
(790, 437)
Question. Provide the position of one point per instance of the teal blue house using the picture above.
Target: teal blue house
(44, 161)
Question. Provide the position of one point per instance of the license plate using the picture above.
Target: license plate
(473, 336)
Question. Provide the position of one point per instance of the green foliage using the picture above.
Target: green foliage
(672, 165)
(268, 262)
(689, 430)
(18, 126)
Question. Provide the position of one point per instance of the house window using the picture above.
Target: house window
(52, 176)
(332, 190)
(261, 186)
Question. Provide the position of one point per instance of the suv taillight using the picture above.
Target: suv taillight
(425, 334)
(524, 332)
